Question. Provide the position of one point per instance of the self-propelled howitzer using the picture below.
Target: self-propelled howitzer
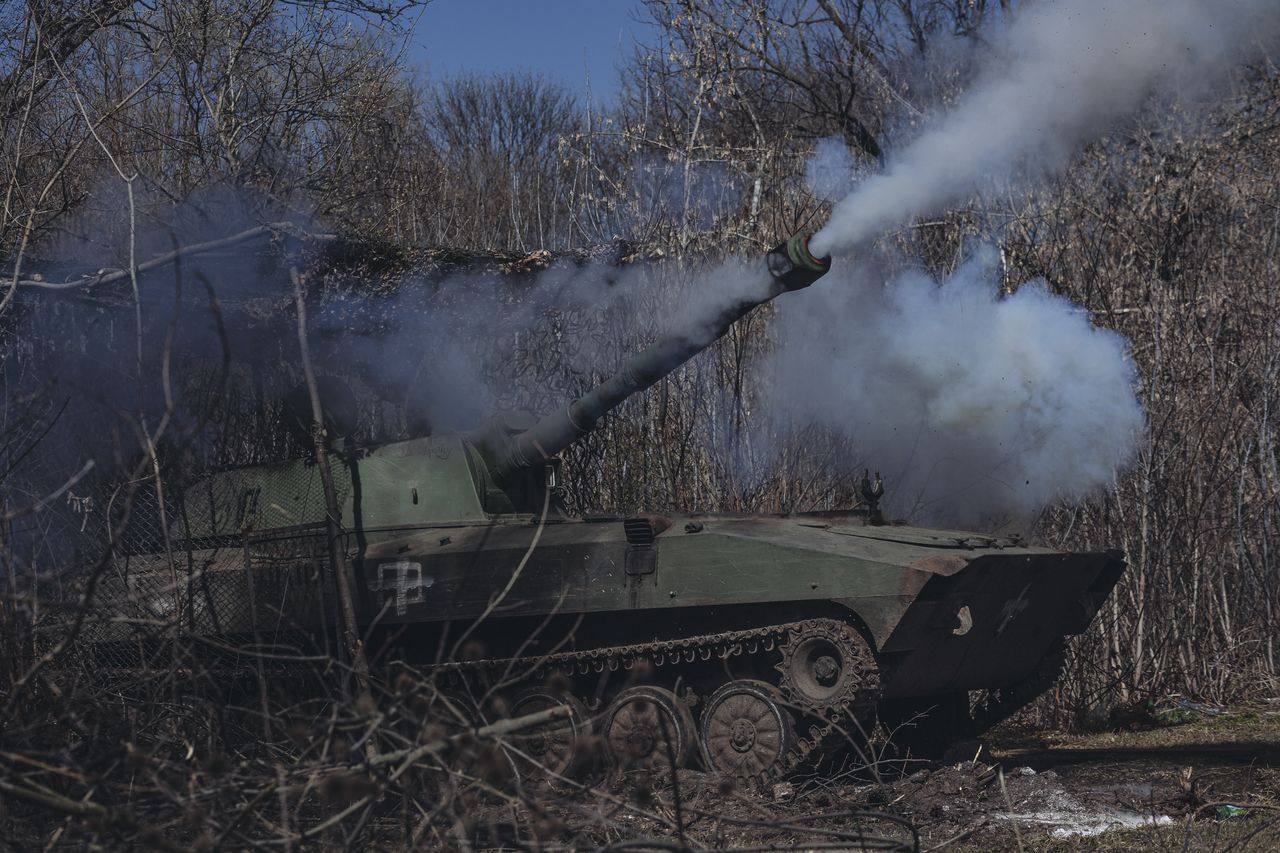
(746, 644)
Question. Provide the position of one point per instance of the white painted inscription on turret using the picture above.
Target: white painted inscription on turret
(404, 581)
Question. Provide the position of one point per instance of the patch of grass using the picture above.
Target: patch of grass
(1183, 727)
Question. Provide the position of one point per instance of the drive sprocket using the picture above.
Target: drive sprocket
(827, 667)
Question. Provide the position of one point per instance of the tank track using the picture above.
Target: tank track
(827, 726)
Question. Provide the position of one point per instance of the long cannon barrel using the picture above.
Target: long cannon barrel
(790, 266)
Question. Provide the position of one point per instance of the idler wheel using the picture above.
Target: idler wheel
(746, 731)
(649, 728)
(826, 664)
(557, 746)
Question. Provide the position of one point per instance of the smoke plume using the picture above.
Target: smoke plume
(1065, 72)
(972, 406)
(975, 406)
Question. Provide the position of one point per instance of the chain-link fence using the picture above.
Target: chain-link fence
(196, 574)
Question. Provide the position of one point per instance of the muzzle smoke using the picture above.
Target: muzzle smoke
(977, 407)
(1065, 72)
(972, 406)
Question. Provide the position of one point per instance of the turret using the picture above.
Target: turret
(788, 267)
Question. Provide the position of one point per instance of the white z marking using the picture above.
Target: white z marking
(1013, 607)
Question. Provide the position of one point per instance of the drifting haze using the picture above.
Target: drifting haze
(971, 405)
(1066, 70)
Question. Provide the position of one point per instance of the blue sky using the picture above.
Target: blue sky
(570, 41)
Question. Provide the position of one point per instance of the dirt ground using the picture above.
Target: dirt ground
(1200, 781)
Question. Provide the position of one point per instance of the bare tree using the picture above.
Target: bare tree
(502, 174)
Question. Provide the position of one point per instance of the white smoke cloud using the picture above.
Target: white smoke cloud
(1065, 72)
(973, 406)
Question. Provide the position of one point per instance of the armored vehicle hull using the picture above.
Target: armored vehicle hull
(817, 621)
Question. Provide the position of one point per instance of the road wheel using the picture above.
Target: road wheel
(450, 720)
(649, 728)
(556, 747)
(746, 731)
(455, 711)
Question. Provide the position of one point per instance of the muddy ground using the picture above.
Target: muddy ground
(1196, 781)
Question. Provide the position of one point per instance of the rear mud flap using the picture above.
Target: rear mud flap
(990, 624)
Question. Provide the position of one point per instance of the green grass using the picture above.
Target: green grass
(1247, 725)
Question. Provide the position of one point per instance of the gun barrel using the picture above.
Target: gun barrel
(789, 266)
